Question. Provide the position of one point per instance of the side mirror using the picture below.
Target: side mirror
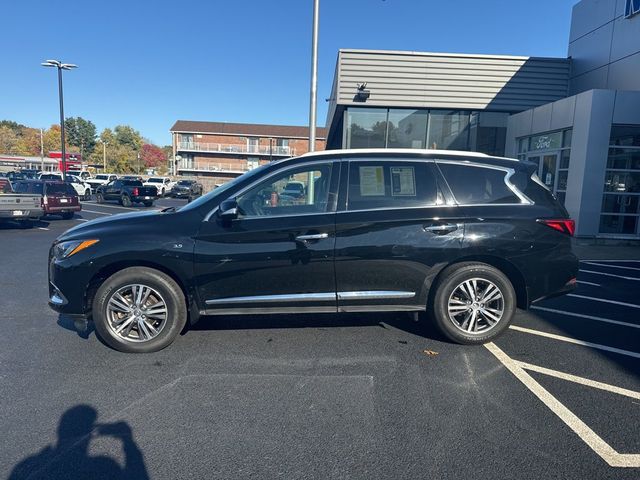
(228, 209)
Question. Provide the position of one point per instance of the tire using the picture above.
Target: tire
(87, 194)
(452, 292)
(67, 215)
(125, 201)
(99, 198)
(162, 192)
(148, 204)
(163, 288)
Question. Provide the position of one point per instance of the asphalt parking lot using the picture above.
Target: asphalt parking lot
(321, 396)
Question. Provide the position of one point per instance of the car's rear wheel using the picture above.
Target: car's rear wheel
(125, 201)
(99, 198)
(473, 303)
(139, 310)
(87, 194)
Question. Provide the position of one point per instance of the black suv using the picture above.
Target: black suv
(464, 236)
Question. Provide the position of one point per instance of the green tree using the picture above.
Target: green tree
(128, 136)
(8, 140)
(81, 134)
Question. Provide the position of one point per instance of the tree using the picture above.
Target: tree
(152, 156)
(51, 140)
(8, 140)
(128, 136)
(81, 134)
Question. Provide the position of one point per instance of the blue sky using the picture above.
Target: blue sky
(149, 63)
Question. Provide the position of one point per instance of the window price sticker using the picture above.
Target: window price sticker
(403, 182)
(371, 181)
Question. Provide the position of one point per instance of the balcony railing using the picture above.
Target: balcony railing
(236, 148)
(213, 167)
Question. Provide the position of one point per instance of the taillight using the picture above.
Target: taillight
(135, 192)
(563, 225)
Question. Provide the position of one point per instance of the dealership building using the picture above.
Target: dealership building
(577, 118)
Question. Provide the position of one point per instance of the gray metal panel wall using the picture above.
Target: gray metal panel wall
(457, 81)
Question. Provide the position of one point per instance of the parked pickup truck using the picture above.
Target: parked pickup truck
(126, 192)
(163, 184)
(14, 206)
(101, 179)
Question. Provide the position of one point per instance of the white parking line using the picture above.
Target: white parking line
(588, 317)
(575, 341)
(81, 219)
(588, 283)
(580, 380)
(94, 211)
(615, 302)
(43, 228)
(609, 275)
(591, 438)
(610, 266)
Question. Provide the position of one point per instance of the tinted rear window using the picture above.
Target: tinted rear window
(132, 183)
(60, 189)
(396, 184)
(472, 185)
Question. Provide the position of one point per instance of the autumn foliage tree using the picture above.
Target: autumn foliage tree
(152, 156)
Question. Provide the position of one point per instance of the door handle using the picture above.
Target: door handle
(441, 228)
(315, 236)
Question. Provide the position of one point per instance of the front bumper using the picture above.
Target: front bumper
(68, 286)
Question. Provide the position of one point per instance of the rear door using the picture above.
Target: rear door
(394, 232)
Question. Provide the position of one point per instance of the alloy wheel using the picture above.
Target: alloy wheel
(136, 313)
(476, 306)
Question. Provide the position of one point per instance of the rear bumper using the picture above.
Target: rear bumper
(32, 213)
(144, 198)
(64, 209)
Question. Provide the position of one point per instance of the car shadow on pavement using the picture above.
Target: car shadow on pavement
(12, 225)
(418, 325)
(70, 456)
(68, 323)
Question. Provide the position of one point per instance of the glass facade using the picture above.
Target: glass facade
(551, 152)
(425, 128)
(621, 196)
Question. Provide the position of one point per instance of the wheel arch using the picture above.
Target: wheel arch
(106, 271)
(512, 272)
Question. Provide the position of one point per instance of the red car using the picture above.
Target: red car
(58, 198)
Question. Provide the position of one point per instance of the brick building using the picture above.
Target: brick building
(226, 150)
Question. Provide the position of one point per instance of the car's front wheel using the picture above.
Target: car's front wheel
(99, 198)
(473, 303)
(139, 310)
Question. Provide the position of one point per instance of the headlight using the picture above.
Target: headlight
(67, 249)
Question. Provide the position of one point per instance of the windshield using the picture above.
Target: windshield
(102, 177)
(221, 190)
(185, 182)
(155, 180)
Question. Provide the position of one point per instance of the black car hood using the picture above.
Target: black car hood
(123, 220)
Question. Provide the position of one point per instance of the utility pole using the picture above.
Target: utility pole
(104, 156)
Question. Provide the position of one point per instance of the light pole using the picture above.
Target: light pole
(61, 66)
(314, 77)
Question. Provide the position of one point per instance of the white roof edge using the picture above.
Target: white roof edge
(405, 151)
(444, 54)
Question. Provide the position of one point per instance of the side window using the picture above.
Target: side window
(477, 185)
(116, 184)
(294, 192)
(384, 184)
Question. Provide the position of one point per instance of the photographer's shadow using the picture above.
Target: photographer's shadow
(70, 458)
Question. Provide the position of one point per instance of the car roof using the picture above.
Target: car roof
(410, 152)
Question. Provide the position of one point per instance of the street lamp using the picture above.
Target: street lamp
(61, 66)
(314, 77)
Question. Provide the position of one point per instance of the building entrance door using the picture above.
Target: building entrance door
(547, 168)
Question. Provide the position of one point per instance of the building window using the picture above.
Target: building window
(621, 196)
(551, 151)
(366, 128)
(253, 144)
(407, 128)
(448, 130)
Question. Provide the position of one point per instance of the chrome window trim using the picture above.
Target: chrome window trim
(524, 200)
(274, 173)
(374, 294)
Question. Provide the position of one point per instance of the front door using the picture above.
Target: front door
(278, 254)
(394, 228)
